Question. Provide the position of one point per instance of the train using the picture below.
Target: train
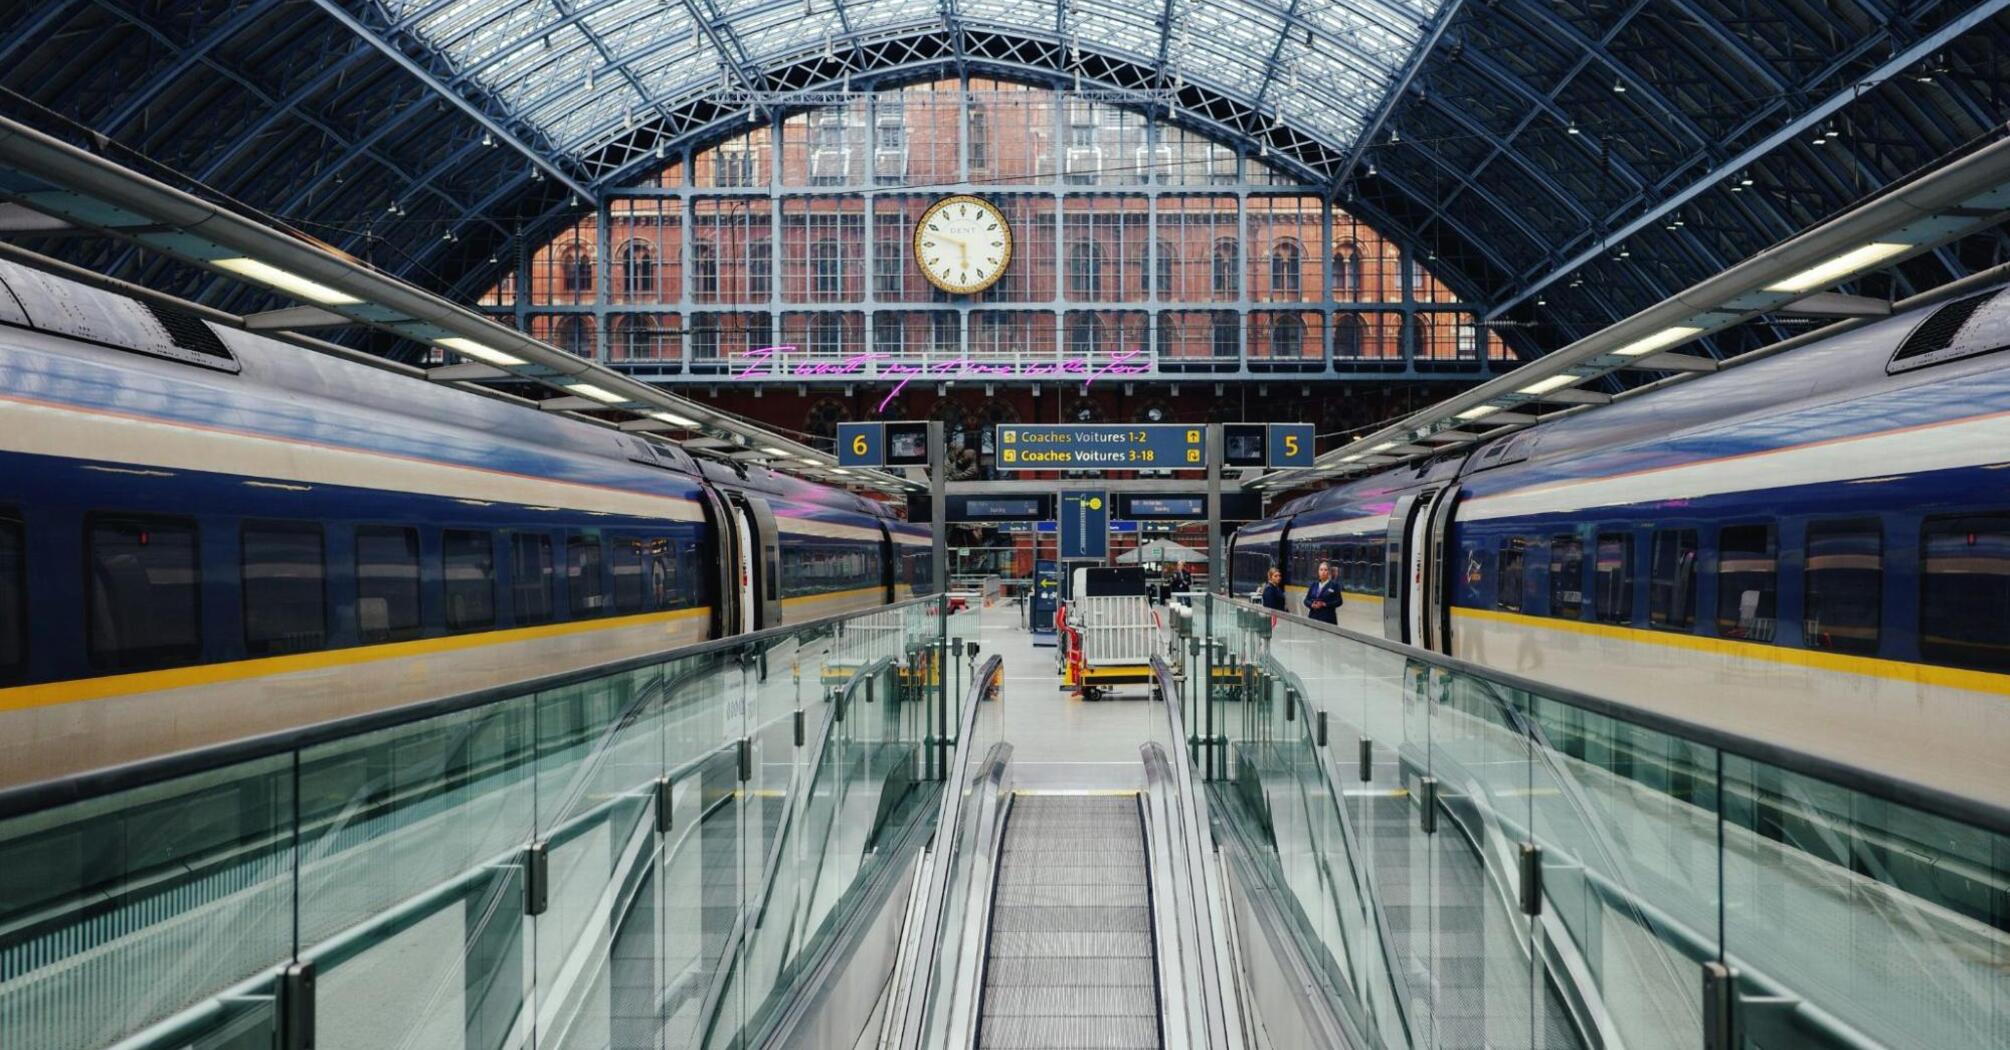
(208, 534)
(1811, 549)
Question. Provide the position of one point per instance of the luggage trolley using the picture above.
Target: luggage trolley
(1110, 631)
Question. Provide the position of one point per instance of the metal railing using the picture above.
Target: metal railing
(1622, 877)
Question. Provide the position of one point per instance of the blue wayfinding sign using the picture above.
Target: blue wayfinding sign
(1070, 446)
(1289, 445)
(1085, 526)
(861, 444)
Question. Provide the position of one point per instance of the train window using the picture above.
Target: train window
(285, 593)
(1508, 573)
(1747, 571)
(1843, 594)
(1566, 576)
(143, 596)
(531, 573)
(583, 581)
(1671, 583)
(13, 600)
(629, 592)
(387, 583)
(469, 559)
(1964, 595)
(1612, 578)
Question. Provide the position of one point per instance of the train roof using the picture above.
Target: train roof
(97, 325)
(1830, 388)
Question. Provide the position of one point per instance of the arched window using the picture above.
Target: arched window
(705, 337)
(1227, 338)
(1085, 334)
(576, 270)
(1168, 335)
(634, 338)
(1285, 280)
(638, 271)
(1165, 263)
(827, 335)
(1347, 336)
(1085, 271)
(1347, 272)
(980, 136)
(1225, 264)
(575, 336)
(704, 270)
(826, 271)
(1287, 336)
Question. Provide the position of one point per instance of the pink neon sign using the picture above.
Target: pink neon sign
(772, 362)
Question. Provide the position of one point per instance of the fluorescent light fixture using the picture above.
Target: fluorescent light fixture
(843, 471)
(1839, 267)
(1662, 338)
(290, 283)
(675, 420)
(1544, 386)
(598, 393)
(1383, 447)
(811, 462)
(1479, 411)
(1352, 458)
(774, 451)
(484, 354)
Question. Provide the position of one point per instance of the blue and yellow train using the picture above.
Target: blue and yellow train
(1813, 548)
(207, 534)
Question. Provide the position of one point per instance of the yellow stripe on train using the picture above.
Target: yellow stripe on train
(78, 689)
(1813, 659)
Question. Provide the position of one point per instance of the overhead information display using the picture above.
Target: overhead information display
(1066, 446)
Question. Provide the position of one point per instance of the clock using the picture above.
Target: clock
(963, 244)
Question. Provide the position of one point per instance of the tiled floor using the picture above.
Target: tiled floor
(1060, 742)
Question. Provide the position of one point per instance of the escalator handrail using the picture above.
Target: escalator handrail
(995, 778)
(1208, 920)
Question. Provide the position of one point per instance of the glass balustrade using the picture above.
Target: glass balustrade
(1847, 910)
(636, 855)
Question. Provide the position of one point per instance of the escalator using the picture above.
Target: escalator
(1070, 960)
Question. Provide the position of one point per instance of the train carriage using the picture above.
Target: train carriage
(1811, 548)
(207, 534)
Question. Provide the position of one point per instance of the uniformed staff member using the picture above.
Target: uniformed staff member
(1273, 590)
(1322, 599)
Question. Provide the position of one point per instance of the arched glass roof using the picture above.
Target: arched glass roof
(1566, 162)
(582, 74)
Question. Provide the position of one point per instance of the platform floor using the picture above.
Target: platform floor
(1060, 742)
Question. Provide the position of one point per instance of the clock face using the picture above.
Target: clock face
(963, 244)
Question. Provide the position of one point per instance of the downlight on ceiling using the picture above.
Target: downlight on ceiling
(1839, 267)
(1544, 386)
(290, 283)
(598, 393)
(485, 354)
(1662, 338)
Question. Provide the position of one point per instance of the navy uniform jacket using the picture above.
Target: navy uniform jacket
(1273, 596)
(1328, 592)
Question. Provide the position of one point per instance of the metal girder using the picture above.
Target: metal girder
(454, 98)
(1921, 49)
(1501, 147)
(1398, 88)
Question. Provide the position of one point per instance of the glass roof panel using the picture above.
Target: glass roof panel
(571, 68)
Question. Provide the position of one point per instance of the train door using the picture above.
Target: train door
(724, 558)
(888, 564)
(757, 563)
(1413, 598)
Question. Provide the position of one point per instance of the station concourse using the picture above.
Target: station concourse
(1008, 524)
